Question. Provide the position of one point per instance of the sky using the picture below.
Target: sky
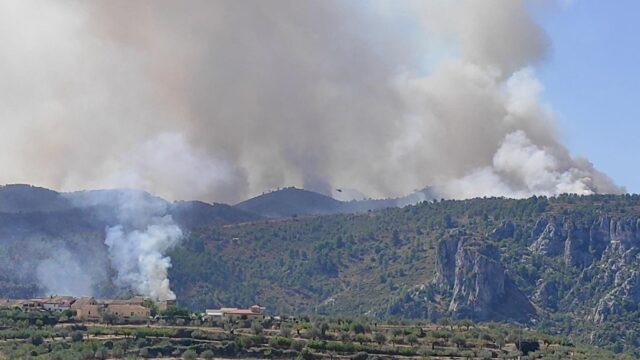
(592, 81)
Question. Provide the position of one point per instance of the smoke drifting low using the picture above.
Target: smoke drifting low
(219, 100)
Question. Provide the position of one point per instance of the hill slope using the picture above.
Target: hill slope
(565, 264)
(291, 201)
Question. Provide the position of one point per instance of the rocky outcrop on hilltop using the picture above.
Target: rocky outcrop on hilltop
(480, 286)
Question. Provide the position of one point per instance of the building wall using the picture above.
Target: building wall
(88, 312)
(252, 317)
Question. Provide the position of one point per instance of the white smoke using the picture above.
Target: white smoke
(61, 274)
(522, 169)
(138, 245)
(221, 100)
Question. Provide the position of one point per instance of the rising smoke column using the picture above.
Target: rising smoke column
(383, 97)
(137, 246)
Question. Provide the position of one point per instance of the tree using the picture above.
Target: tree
(312, 333)
(77, 336)
(101, 354)
(345, 336)
(207, 355)
(397, 332)
(149, 304)
(459, 341)
(36, 340)
(285, 330)
(110, 318)
(189, 355)
(466, 323)
(323, 327)
(173, 312)
(379, 338)
(357, 328)
(412, 339)
(257, 328)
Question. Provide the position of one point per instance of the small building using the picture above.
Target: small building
(58, 303)
(83, 301)
(164, 304)
(128, 313)
(29, 305)
(89, 312)
(254, 313)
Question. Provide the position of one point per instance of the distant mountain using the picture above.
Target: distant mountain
(17, 198)
(289, 202)
(292, 201)
(197, 213)
(103, 206)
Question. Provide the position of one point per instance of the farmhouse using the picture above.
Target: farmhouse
(58, 303)
(83, 301)
(128, 312)
(255, 312)
(89, 312)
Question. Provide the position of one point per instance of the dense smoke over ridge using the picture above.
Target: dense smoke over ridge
(219, 100)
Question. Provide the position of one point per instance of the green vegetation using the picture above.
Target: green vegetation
(372, 263)
(347, 337)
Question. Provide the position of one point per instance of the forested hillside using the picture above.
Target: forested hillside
(566, 264)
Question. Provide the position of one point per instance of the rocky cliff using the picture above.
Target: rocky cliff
(480, 286)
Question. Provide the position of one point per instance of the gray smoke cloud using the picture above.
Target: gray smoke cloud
(220, 100)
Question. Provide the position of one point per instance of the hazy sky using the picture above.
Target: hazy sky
(592, 80)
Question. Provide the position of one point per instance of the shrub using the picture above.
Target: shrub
(77, 336)
(297, 345)
(257, 328)
(189, 355)
(207, 354)
(358, 328)
(36, 340)
(285, 330)
(379, 338)
(280, 342)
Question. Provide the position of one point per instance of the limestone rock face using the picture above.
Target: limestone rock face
(624, 296)
(551, 240)
(604, 246)
(481, 288)
(583, 244)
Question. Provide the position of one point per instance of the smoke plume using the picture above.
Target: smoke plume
(220, 100)
(137, 246)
